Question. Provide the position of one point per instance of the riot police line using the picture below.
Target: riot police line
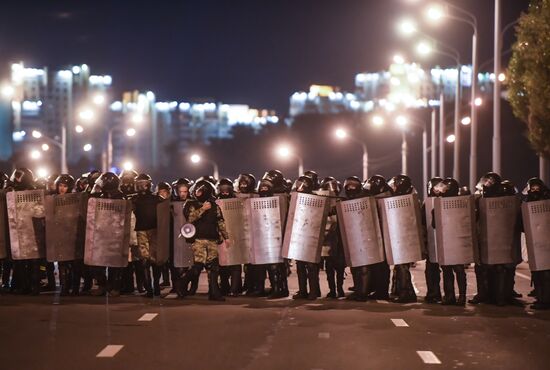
(114, 232)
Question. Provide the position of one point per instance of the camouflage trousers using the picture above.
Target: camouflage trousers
(204, 251)
(147, 245)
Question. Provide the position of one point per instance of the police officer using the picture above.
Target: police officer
(403, 289)
(534, 191)
(432, 272)
(203, 212)
(308, 272)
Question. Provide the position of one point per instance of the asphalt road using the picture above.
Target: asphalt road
(133, 332)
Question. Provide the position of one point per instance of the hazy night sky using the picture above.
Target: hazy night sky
(256, 52)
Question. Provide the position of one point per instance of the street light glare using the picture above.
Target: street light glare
(45, 147)
(36, 134)
(340, 133)
(7, 91)
(79, 129)
(99, 99)
(398, 59)
(283, 151)
(466, 121)
(401, 121)
(86, 115)
(435, 13)
(137, 118)
(131, 132)
(128, 166)
(423, 48)
(195, 158)
(42, 172)
(87, 147)
(478, 102)
(451, 138)
(377, 120)
(407, 27)
(501, 77)
(35, 154)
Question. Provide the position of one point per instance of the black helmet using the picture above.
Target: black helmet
(536, 189)
(81, 183)
(287, 185)
(508, 188)
(375, 185)
(208, 178)
(93, 176)
(265, 188)
(127, 181)
(66, 180)
(205, 188)
(447, 188)
(164, 186)
(144, 184)
(401, 185)
(304, 184)
(314, 178)
(489, 185)
(22, 179)
(51, 181)
(4, 179)
(176, 185)
(353, 187)
(225, 188)
(464, 191)
(431, 186)
(331, 184)
(277, 179)
(107, 183)
(41, 183)
(245, 183)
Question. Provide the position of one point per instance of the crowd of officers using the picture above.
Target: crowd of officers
(495, 283)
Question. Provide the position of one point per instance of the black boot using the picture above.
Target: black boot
(501, 285)
(190, 275)
(433, 279)
(313, 279)
(50, 274)
(139, 270)
(362, 289)
(224, 280)
(99, 274)
(236, 281)
(213, 270)
(406, 289)
(77, 275)
(147, 280)
(340, 282)
(302, 281)
(482, 282)
(64, 278)
(157, 272)
(128, 279)
(283, 273)
(448, 286)
(275, 279)
(329, 270)
(115, 281)
(165, 275)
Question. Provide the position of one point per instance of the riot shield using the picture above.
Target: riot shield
(238, 228)
(183, 253)
(360, 231)
(401, 228)
(266, 230)
(65, 215)
(4, 229)
(107, 232)
(430, 235)
(305, 227)
(455, 230)
(536, 222)
(26, 224)
(162, 254)
(500, 237)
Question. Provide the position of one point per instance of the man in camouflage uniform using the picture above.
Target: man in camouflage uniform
(203, 212)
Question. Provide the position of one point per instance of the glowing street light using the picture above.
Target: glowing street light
(435, 13)
(501, 77)
(128, 166)
(42, 172)
(195, 158)
(284, 151)
(99, 99)
(137, 118)
(424, 48)
(86, 115)
(36, 134)
(407, 27)
(35, 154)
(87, 147)
(79, 129)
(451, 138)
(131, 132)
(478, 102)
(45, 147)
(466, 121)
(401, 121)
(398, 59)
(377, 121)
(7, 91)
(340, 134)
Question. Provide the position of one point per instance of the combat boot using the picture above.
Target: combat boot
(302, 281)
(214, 292)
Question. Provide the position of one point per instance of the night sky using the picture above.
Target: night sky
(256, 52)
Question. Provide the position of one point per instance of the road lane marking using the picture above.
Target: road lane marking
(323, 335)
(523, 276)
(428, 357)
(382, 301)
(148, 317)
(399, 323)
(110, 351)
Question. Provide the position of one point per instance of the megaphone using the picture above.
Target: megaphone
(188, 231)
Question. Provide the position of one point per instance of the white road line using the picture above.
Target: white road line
(148, 317)
(382, 301)
(323, 335)
(110, 351)
(523, 276)
(399, 323)
(428, 357)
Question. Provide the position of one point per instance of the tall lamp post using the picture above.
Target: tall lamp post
(196, 158)
(342, 134)
(62, 145)
(284, 151)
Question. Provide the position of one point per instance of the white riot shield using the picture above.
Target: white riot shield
(401, 228)
(183, 253)
(536, 222)
(360, 231)
(238, 227)
(500, 237)
(107, 232)
(162, 253)
(26, 224)
(266, 229)
(4, 228)
(430, 235)
(305, 228)
(455, 230)
(65, 226)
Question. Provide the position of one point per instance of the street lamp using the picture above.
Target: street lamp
(7, 91)
(398, 59)
(466, 121)
(36, 134)
(35, 154)
(42, 172)
(61, 145)
(342, 134)
(451, 138)
(402, 122)
(284, 151)
(87, 147)
(131, 132)
(137, 118)
(45, 147)
(128, 166)
(86, 115)
(79, 129)
(196, 158)
(377, 120)
(99, 99)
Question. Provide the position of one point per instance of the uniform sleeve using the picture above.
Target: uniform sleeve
(194, 213)
(221, 224)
